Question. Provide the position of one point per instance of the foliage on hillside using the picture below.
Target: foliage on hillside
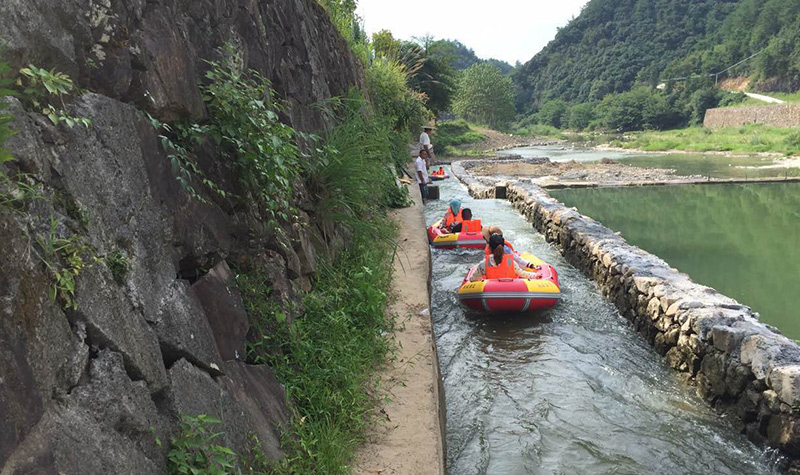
(462, 57)
(752, 26)
(485, 96)
(613, 44)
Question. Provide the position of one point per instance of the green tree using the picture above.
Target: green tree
(387, 84)
(385, 45)
(434, 77)
(485, 95)
(553, 113)
(580, 116)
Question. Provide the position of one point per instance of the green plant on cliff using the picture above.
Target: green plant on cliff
(343, 16)
(65, 258)
(193, 451)
(354, 176)
(5, 118)
(327, 355)
(42, 87)
(244, 122)
(187, 173)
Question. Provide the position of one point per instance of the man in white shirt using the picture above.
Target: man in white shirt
(425, 144)
(421, 174)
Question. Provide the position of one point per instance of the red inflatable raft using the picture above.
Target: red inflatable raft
(512, 295)
(464, 240)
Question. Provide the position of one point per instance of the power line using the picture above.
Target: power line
(714, 75)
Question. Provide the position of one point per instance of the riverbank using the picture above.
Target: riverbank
(409, 437)
(547, 174)
(742, 367)
(752, 139)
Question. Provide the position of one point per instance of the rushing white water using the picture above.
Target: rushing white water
(571, 390)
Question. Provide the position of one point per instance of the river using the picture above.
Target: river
(743, 240)
(571, 390)
(684, 164)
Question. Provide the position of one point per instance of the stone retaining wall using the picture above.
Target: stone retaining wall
(742, 367)
(779, 116)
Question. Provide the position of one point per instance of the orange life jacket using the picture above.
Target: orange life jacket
(450, 219)
(505, 270)
(471, 226)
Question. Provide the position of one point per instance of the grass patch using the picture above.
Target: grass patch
(451, 136)
(541, 130)
(747, 139)
(330, 353)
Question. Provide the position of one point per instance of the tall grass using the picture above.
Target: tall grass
(331, 353)
(354, 178)
(328, 356)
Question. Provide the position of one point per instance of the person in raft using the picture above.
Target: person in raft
(469, 225)
(499, 264)
(490, 231)
(452, 215)
(421, 168)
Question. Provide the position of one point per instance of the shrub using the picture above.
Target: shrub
(580, 116)
(193, 451)
(387, 85)
(553, 113)
(703, 100)
(244, 122)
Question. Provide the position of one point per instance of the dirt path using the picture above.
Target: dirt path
(409, 438)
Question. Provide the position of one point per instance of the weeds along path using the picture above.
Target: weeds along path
(408, 438)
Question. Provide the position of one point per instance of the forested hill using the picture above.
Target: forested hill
(613, 44)
(770, 28)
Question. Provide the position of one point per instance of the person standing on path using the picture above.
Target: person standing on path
(425, 144)
(421, 168)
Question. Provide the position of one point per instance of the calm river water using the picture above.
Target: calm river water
(743, 240)
(572, 390)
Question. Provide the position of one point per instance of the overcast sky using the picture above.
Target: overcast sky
(510, 30)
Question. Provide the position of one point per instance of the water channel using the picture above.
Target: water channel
(684, 164)
(572, 390)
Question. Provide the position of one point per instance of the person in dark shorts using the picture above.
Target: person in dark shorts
(421, 174)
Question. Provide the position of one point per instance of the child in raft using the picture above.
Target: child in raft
(490, 231)
(452, 215)
(498, 264)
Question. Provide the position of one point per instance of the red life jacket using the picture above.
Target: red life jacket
(471, 226)
(450, 219)
(505, 270)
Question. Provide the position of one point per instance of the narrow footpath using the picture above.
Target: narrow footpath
(409, 438)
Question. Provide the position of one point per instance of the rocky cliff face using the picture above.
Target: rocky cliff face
(86, 389)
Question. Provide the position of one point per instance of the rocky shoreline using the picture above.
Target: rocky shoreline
(744, 368)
